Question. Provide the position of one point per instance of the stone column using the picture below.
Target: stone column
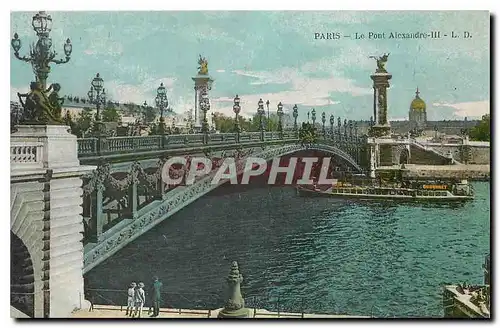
(54, 240)
(200, 83)
(235, 305)
(380, 85)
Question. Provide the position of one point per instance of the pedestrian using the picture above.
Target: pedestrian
(130, 299)
(156, 296)
(140, 298)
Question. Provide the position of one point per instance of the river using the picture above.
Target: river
(320, 254)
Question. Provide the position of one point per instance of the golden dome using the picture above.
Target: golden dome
(418, 104)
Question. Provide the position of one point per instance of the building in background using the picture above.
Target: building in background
(418, 113)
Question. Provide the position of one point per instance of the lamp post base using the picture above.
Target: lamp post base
(234, 314)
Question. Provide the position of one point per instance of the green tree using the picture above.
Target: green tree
(481, 132)
(110, 114)
(149, 114)
(84, 122)
(270, 124)
(307, 133)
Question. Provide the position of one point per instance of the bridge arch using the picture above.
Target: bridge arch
(27, 241)
(182, 196)
(325, 148)
(22, 278)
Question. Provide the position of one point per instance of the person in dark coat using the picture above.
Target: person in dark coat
(156, 296)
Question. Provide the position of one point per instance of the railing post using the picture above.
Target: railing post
(98, 145)
(133, 198)
(98, 217)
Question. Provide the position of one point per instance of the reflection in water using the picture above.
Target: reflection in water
(330, 254)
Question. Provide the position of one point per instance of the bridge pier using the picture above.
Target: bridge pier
(46, 215)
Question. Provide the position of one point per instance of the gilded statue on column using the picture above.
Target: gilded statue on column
(381, 61)
(203, 66)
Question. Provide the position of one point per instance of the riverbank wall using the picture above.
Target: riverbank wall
(473, 172)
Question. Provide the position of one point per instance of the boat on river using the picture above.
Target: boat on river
(460, 191)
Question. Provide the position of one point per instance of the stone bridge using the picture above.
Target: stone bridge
(119, 182)
(125, 196)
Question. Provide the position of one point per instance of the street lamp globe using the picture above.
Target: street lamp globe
(280, 108)
(236, 106)
(261, 104)
(68, 48)
(103, 96)
(161, 90)
(90, 94)
(42, 23)
(97, 83)
(16, 43)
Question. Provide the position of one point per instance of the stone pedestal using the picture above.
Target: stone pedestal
(52, 232)
(380, 86)
(200, 83)
(235, 306)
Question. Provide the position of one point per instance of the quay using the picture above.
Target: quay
(113, 311)
(458, 305)
(474, 172)
(466, 301)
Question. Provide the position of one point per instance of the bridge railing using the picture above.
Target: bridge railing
(100, 146)
(286, 305)
(24, 155)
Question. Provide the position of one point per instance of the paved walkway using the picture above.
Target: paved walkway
(108, 311)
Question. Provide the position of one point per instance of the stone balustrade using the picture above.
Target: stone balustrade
(105, 146)
(116, 145)
(26, 154)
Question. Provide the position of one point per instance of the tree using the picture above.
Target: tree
(481, 132)
(223, 123)
(110, 114)
(307, 133)
(149, 114)
(84, 122)
(270, 124)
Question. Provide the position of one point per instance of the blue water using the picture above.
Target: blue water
(317, 254)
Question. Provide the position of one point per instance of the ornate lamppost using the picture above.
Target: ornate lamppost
(97, 96)
(236, 110)
(313, 118)
(40, 57)
(280, 119)
(161, 103)
(205, 107)
(268, 117)
(323, 120)
(295, 115)
(308, 117)
(339, 126)
(332, 122)
(260, 112)
(144, 109)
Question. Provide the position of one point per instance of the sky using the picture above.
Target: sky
(272, 55)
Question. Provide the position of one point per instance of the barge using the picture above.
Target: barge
(432, 191)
